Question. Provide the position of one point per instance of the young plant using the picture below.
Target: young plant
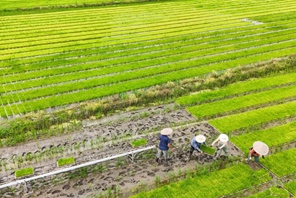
(139, 142)
(207, 149)
(24, 172)
(65, 161)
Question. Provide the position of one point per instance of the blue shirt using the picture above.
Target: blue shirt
(164, 141)
(196, 145)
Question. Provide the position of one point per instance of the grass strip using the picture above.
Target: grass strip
(24, 172)
(237, 88)
(282, 164)
(65, 161)
(291, 186)
(242, 102)
(248, 119)
(208, 149)
(271, 192)
(236, 178)
(139, 142)
(120, 87)
(270, 136)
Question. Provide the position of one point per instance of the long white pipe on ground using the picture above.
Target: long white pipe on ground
(75, 167)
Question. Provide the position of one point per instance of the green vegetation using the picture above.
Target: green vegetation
(270, 136)
(208, 149)
(248, 119)
(243, 102)
(212, 184)
(237, 89)
(139, 142)
(89, 55)
(282, 163)
(24, 172)
(272, 192)
(34, 4)
(291, 186)
(65, 161)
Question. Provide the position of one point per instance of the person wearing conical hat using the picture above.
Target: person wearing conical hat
(196, 143)
(259, 148)
(164, 144)
(221, 145)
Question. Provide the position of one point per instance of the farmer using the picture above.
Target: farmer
(222, 145)
(259, 148)
(164, 144)
(196, 143)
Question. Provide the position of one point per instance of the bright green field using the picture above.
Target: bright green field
(58, 58)
(14, 4)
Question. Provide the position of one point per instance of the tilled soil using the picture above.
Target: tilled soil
(107, 137)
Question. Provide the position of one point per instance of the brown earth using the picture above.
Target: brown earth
(106, 137)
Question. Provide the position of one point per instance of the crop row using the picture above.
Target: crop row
(80, 72)
(108, 14)
(291, 186)
(96, 92)
(98, 42)
(237, 89)
(167, 57)
(203, 46)
(273, 136)
(248, 119)
(10, 39)
(242, 103)
(212, 184)
(128, 36)
(272, 192)
(116, 77)
(235, 32)
(283, 163)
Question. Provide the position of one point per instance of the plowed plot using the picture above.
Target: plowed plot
(120, 173)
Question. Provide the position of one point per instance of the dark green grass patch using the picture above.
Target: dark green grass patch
(207, 149)
(139, 142)
(65, 161)
(24, 172)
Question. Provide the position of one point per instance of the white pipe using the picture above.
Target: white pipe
(75, 167)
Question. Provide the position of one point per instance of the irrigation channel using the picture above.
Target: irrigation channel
(106, 139)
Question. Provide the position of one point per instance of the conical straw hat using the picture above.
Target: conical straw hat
(223, 138)
(260, 148)
(200, 138)
(166, 131)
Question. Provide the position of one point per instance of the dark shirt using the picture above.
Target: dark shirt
(164, 141)
(196, 145)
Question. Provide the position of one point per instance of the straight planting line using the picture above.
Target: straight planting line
(163, 47)
(82, 14)
(92, 15)
(76, 91)
(127, 35)
(75, 167)
(55, 84)
(75, 20)
(148, 41)
(154, 66)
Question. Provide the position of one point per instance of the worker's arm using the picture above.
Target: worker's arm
(196, 147)
(170, 146)
(215, 141)
(224, 144)
(250, 154)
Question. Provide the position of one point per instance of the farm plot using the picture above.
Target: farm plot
(213, 184)
(100, 139)
(253, 110)
(54, 59)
